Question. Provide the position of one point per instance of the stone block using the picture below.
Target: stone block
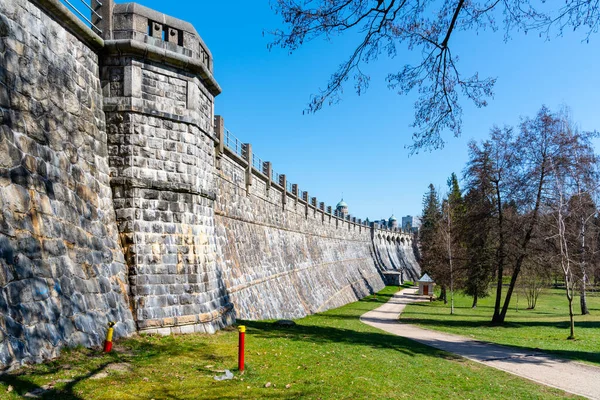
(163, 331)
(187, 329)
(186, 320)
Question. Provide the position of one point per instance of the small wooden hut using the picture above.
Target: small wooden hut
(426, 285)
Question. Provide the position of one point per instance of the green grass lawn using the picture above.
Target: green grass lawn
(545, 328)
(326, 356)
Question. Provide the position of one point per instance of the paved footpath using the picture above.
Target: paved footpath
(570, 376)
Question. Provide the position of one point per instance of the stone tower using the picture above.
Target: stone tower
(159, 93)
(393, 222)
(342, 209)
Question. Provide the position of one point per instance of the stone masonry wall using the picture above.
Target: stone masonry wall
(396, 254)
(62, 271)
(161, 156)
(287, 262)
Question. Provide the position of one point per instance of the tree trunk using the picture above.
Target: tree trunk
(509, 292)
(571, 317)
(474, 301)
(451, 277)
(496, 317)
(524, 245)
(443, 294)
(583, 297)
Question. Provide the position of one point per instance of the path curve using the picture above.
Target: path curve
(570, 376)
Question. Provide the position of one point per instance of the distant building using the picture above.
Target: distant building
(392, 222)
(411, 224)
(341, 209)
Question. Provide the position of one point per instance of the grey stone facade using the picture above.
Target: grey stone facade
(62, 271)
(284, 257)
(161, 156)
(121, 203)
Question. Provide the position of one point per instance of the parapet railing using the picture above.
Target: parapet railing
(233, 143)
(257, 163)
(89, 7)
(275, 177)
(228, 141)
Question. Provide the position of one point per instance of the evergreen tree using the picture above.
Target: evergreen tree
(430, 221)
(479, 243)
(477, 228)
(453, 212)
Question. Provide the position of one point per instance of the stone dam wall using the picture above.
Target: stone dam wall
(123, 201)
(62, 271)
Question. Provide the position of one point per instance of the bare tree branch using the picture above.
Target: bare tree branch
(429, 26)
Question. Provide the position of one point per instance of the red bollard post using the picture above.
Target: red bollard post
(109, 337)
(242, 343)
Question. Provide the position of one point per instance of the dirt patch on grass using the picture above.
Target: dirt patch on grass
(118, 368)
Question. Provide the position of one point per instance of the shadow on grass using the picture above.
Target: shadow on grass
(165, 393)
(484, 351)
(90, 362)
(462, 323)
(593, 357)
(327, 334)
(26, 388)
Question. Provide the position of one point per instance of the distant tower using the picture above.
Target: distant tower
(393, 222)
(342, 209)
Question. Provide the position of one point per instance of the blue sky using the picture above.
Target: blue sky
(357, 147)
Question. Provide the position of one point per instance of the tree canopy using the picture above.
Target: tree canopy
(427, 26)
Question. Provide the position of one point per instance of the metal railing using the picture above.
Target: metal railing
(289, 186)
(233, 143)
(275, 177)
(257, 163)
(89, 7)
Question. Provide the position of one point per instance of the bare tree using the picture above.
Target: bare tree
(520, 174)
(561, 237)
(579, 175)
(539, 147)
(581, 229)
(492, 168)
(535, 275)
(569, 203)
(449, 239)
(425, 26)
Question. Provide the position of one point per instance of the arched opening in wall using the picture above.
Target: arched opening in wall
(389, 240)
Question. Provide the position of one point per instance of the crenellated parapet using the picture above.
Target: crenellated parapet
(239, 152)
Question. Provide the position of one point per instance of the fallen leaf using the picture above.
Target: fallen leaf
(268, 384)
(288, 386)
(9, 389)
(145, 379)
